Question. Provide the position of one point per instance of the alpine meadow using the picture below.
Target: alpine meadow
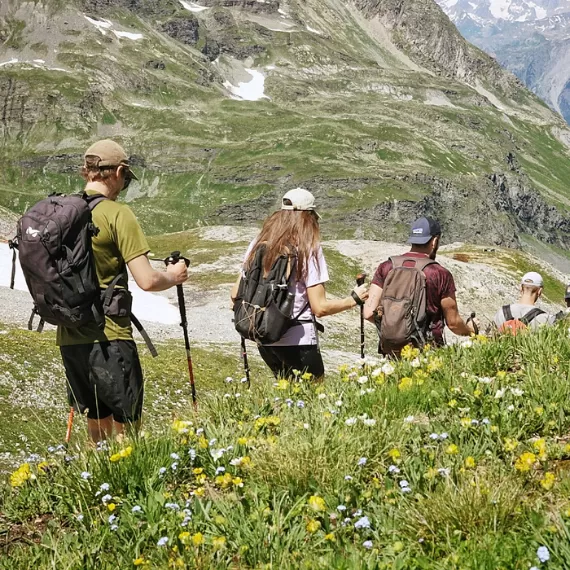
(370, 122)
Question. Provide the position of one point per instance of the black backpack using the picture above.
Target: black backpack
(54, 242)
(53, 239)
(263, 308)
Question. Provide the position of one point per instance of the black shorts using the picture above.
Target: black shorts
(105, 379)
(284, 359)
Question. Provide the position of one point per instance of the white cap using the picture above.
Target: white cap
(300, 199)
(532, 278)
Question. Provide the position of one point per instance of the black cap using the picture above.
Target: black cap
(423, 230)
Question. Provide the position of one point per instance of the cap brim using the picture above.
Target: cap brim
(419, 240)
(133, 175)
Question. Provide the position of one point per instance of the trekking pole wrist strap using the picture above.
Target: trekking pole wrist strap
(355, 296)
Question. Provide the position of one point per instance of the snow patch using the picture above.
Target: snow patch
(146, 306)
(253, 90)
(101, 25)
(128, 35)
(12, 61)
(313, 31)
(193, 7)
(271, 67)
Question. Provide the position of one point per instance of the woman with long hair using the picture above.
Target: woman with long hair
(296, 226)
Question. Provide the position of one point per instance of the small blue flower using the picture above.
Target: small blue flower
(173, 506)
(162, 541)
(175, 456)
(367, 544)
(174, 466)
(220, 470)
(362, 461)
(104, 487)
(404, 483)
(393, 469)
(300, 404)
(79, 517)
(485, 421)
(162, 471)
(85, 475)
(543, 554)
(433, 436)
(136, 509)
(112, 519)
(443, 435)
(341, 508)
(106, 498)
(362, 523)
(348, 478)
(406, 490)
(114, 527)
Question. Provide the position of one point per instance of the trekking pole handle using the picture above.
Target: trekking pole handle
(360, 278)
(472, 319)
(175, 257)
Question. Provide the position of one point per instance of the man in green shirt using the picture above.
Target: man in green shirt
(102, 366)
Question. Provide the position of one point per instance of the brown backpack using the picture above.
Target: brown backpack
(402, 315)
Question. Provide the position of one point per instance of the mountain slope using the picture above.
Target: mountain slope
(380, 108)
(531, 39)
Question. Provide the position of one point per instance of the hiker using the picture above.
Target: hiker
(399, 283)
(524, 314)
(102, 366)
(292, 234)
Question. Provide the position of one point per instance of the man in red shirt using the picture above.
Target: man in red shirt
(440, 286)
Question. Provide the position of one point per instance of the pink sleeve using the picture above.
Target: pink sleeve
(317, 271)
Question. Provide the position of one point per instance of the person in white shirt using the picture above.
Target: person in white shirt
(296, 225)
(524, 314)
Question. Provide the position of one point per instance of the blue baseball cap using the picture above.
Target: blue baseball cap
(423, 230)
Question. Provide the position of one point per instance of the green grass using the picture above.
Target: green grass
(314, 473)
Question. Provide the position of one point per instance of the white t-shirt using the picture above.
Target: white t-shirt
(317, 273)
(519, 310)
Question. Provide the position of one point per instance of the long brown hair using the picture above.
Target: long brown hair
(284, 230)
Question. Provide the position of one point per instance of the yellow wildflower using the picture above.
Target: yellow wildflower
(139, 561)
(525, 462)
(313, 525)
(181, 426)
(111, 507)
(223, 481)
(115, 457)
(452, 449)
(242, 441)
(540, 447)
(197, 470)
(435, 363)
(202, 442)
(198, 539)
(317, 503)
(125, 452)
(330, 537)
(547, 482)
(184, 537)
(501, 375)
(409, 352)
(405, 383)
(398, 546)
(199, 492)
(539, 410)
(452, 403)
(477, 393)
(237, 482)
(282, 384)
(465, 422)
(307, 376)
(394, 454)
(21, 475)
(510, 444)
(470, 462)
(201, 479)
(431, 473)
(43, 467)
(218, 542)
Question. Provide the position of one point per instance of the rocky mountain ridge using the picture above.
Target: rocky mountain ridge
(380, 108)
(529, 38)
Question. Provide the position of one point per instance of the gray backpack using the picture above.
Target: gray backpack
(402, 318)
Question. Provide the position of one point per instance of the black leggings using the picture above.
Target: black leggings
(284, 359)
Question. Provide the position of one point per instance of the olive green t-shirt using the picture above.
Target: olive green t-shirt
(120, 240)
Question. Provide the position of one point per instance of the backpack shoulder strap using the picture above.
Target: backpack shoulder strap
(507, 313)
(531, 315)
(419, 262)
(93, 199)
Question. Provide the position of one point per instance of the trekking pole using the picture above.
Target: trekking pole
(245, 362)
(69, 425)
(360, 281)
(472, 319)
(173, 258)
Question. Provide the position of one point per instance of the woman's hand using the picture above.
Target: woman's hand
(362, 291)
